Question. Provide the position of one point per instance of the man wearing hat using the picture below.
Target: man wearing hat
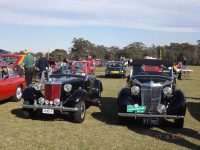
(28, 63)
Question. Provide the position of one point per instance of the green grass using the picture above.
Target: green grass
(100, 129)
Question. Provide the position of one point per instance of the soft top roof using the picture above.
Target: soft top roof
(152, 62)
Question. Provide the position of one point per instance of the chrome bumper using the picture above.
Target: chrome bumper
(60, 108)
(136, 115)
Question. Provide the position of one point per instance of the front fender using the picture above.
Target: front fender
(76, 97)
(124, 97)
(30, 94)
(178, 104)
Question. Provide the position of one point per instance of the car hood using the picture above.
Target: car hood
(64, 79)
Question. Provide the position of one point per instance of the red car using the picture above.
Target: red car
(11, 59)
(83, 67)
(11, 84)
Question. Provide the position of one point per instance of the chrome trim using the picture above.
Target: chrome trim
(136, 115)
(60, 108)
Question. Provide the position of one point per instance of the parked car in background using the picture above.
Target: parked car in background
(115, 68)
(65, 93)
(151, 94)
(11, 84)
(83, 67)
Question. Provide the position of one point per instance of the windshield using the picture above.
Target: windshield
(152, 70)
(80, 68)
(115, 65)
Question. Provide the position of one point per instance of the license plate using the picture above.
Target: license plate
(136, 108)
(115, 72)
(47, 111)
(151, 121)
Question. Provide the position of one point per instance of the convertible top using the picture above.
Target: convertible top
(153, 62)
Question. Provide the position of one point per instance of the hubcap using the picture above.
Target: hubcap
(19, 93)
(82, 110)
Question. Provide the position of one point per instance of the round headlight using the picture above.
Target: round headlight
(161, 109)
(37, 86)
(56, 102)
(41, 100)
(135, 90)
(67, 87)
(167, 91)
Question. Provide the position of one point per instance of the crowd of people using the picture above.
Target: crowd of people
(31, 67)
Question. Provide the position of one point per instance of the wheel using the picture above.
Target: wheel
(178, 123)
(79, 116)
(18, 94)
(27, 112)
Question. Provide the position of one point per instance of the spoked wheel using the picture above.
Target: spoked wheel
(79, 116)
(18, 94)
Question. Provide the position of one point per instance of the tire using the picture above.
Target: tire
(178, 123)
(27, 112)
(18, 94)
(122, 120)
(79, 116)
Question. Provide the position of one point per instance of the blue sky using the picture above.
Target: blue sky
(44, 25)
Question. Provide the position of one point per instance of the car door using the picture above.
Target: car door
(12, 81)
(4, 87)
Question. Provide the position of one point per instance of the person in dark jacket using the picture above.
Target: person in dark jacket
(42, 64)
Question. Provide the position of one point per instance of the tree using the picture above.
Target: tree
(58, 55)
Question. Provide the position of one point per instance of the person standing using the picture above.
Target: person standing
(28, 63)
(42, 64)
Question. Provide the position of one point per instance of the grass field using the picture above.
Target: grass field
(100, 129)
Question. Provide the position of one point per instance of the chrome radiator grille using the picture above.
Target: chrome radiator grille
(151, 96)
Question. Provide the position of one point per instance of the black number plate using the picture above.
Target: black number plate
(151, 121)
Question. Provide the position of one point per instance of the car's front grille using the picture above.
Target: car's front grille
(52, 91)
(151, 96)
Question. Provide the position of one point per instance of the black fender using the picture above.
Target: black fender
(98, 88)
(78, 95)
(177, 106)
(125, 98)
(30, 94)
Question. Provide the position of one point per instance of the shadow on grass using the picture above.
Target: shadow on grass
(169, 134)
(194, 109)
(4, 101)
(108, 112)
(43, 117)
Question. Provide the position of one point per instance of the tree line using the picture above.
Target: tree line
(137, 50)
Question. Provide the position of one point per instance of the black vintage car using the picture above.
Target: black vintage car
(64, 93)
(115, 68)
(151, 95)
